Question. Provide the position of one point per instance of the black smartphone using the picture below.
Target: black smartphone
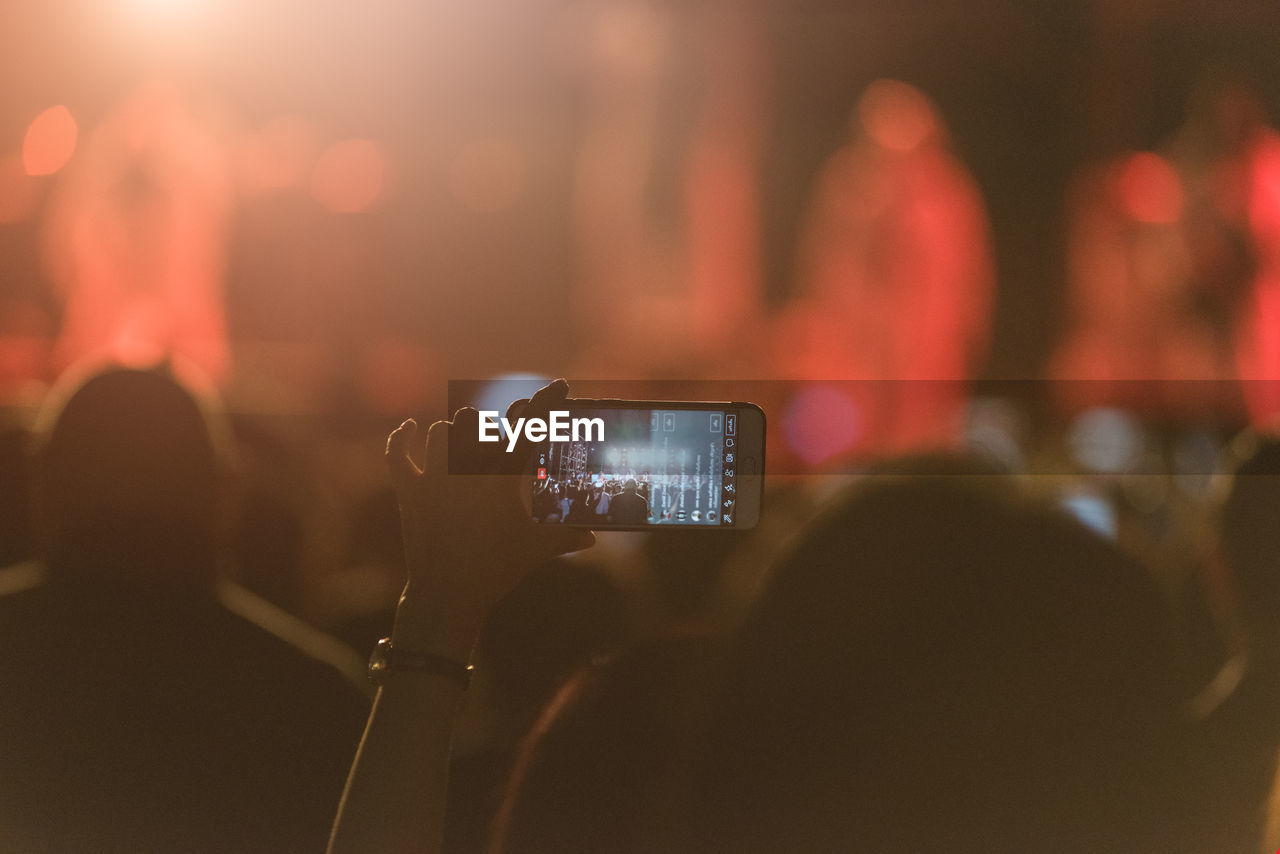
(636, 464)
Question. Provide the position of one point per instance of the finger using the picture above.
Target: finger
(437, 462)
(548, 396)
(467, 420)
(543, 400)
(400, 462)
(517, 409)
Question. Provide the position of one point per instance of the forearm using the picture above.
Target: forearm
(395, 796)
(468, 541)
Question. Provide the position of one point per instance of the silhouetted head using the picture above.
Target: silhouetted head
(684, 568)
(1249, 534)
(558, 618)
(128, 476)
(596, 769)
(944, 665)
(629, 486)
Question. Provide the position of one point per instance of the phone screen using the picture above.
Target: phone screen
(641, 467)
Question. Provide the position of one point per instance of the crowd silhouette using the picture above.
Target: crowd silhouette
(941, 656)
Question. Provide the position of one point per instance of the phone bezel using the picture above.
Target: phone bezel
(749, 487)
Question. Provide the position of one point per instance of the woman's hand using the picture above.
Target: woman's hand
(468, 537)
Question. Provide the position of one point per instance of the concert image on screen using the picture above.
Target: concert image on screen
(653, 467)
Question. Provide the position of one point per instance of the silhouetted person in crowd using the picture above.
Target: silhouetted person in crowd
(15, 501)
(562, 616)
(593, 775)
(628, 507)
(146, 704)
(943, 666)
(939, 665)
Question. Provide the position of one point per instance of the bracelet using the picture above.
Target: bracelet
(387, 659)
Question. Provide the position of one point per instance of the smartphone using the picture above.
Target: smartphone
(637, 464)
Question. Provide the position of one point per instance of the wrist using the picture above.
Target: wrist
(437, 624)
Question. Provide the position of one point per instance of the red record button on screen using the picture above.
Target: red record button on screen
(542, 474)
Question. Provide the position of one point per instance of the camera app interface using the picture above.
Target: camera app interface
(652, 467)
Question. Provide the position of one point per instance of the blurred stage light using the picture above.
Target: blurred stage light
(821, 422)
(488, 175)
(166, 13)
(50, 141)
(498, 393)
(1105, 440)
(349, 176)
(896, 115)
(1148, 188)
(1092, 510)
(996, 429)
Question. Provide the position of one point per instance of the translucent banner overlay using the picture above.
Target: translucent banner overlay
(1124, 427)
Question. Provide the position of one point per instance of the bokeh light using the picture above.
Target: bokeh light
(1106, 440)
(50, 141)
(821, 422)
(1148, 188)
(497, 393)
(896, 115)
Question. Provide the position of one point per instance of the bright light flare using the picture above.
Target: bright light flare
(50, 141)
(165, 13)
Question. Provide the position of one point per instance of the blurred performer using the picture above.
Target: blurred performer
(665, 197)
(1172, 266)
(137, 238)
(1258, 348)
(1129, 273)
(722, 204)
(624, 262)
(895, 273)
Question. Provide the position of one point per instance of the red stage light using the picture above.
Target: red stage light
(1148, 189)
(50, 141)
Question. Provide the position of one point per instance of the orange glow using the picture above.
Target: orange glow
(896, 115)
(488, 175)
(280, 155)
(1147, 188)
(136, 236)
(50, 141)
(349, 176)
(17, 190)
